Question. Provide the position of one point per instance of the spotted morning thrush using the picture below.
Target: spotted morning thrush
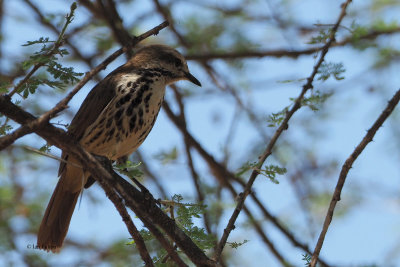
(113, 121)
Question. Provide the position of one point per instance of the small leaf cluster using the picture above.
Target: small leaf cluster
(275, 119)
(235, 245)
(307, 259)
(269, 171)
(5, 128)
(245, 168)
(185, 212)
(322, 37)
(315, 100)
(47, 57)
(328, 69)
(386, 56)
(131, 169)
(45, 148)
(166, 157)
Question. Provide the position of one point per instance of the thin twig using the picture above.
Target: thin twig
(346, 168)
(54, 50)
(31, 149)
(45, 22)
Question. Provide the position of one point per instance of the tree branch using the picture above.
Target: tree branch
(283, 52)
(268, 151)
(346, 168)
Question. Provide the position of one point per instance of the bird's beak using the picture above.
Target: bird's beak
(191, 78)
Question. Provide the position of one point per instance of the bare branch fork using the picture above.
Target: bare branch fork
(297, 105)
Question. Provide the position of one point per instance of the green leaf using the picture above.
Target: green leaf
(45, 148)
(275, 119)
(41, 40)
(245, 168)
(130, 169)
(329, 69)
(271, 171)
(235, 245)
(5, 128)
(307, 259)
(322, 37)
(167, 156)
(315, 100)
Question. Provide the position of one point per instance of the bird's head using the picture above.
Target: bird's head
(165, 58)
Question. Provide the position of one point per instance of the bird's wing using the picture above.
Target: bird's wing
(94, 103)
(92, 106)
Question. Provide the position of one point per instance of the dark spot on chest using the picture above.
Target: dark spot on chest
(118, 113)
(109, 122)
(132, 123)
(102, 120)
(119, 123)
(96, 136)
(129, 110)
(147, 98)
(123, 100)
(110, 133)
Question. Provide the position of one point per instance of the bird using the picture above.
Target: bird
(113, 121)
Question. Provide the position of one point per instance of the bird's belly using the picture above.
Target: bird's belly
(131, 140)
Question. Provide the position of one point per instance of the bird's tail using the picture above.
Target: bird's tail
(56, 220)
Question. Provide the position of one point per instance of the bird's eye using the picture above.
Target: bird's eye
(177, 62)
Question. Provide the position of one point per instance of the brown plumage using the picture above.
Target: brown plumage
(113, 120)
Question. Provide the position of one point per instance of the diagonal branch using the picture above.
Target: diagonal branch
(133, 231)
(346, 168)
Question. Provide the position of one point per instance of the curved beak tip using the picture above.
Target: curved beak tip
(192, 79)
